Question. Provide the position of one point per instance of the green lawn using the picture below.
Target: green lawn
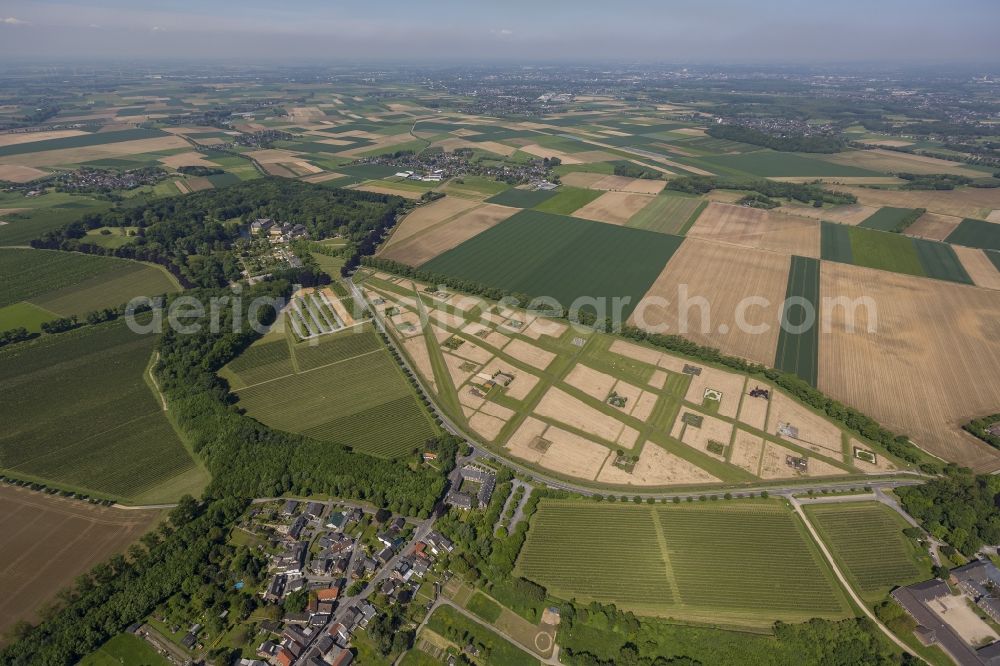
(484, 607)
(42, 213)
(742, 563)
(536, 254)
(868, 541)
(127, 650)
(25, 315)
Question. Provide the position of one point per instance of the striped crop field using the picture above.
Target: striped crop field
(891, 252)
(668, 214)
(343, 387)
(739, 563)
(868, 541)
(78, 414)
(798, 352)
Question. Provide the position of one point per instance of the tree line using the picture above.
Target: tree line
(802, 192)
(793, 143)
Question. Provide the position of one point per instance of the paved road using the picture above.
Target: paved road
(480, 451)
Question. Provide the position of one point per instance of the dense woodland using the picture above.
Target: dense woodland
(799, 143)
(980, 428)
(959, 507)
(192, 235)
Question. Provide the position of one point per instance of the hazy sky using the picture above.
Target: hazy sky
(788, 31)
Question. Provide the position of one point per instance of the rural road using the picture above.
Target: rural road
(481, 451)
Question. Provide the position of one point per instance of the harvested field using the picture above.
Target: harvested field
(979, 267)
(459, 375)
(542, 326)
(559, 406)
(592, 382)
(473, 352)
(711, 430)
(762, 229)
(922, 371)
(723, 275)
(747, 451)
(963, 202)
(556, 449)
(190, 158)
(614, 207)
(636, 352)
(30, 137)
(584, 179)
(542, 151)
(774, 464)
(655, 467)
(20, 174)
(49, 541)
(387, 188)
(658, 379)
(895, 162)
(95, 152)
(422, 248)
(626, 184)
(753, 411)
(729, 384)
(933, 226)
(815, 432)
(488, 427)
(851, 214)
(528, 353)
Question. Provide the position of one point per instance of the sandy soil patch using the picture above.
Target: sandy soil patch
(711, 430)
(963, 202)
(182, 186)
(979, 267)
(572, 454)
(20, 174)
(89, 153)
(613, 207)
(426, 216)
(724, 275)
(729, 384)
(955, 611)
(416, 348)
(592, 382)
(523, 382)
(528, 353)
(190, 158)
(338, 307)
(468, 397)
(656, 467)
(815, 432)
(994, 216)
(628, 438)
(487, 426)
(933, 226)
(559, 406)
(447, 319)
(635, 352)
(922, 371)
(459, 374)
(753, 411)
(542, 326)
(658, 379)
(30, 137)
(308, 167)
(473, 352)
(407, 324)
(496, 340)
(425, 247)
(753, 227)
(643, 407)
(747, 451)
(465, 302)
(775, 464)
(499, 411)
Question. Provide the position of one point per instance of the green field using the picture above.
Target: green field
(484, 607)
(125, 649)
(24, 315)
(80, 141)
(891, 252)
(80, 414)
(343, 388)
(449, 623)
(742, 563)
(567, 200)
(798, 352)
(69, 283)
(976, 233)
(521, 198)
(868, 541)
(887, 218)
(566, 258)
(36, 215)
(770, 163)
(668, 214)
